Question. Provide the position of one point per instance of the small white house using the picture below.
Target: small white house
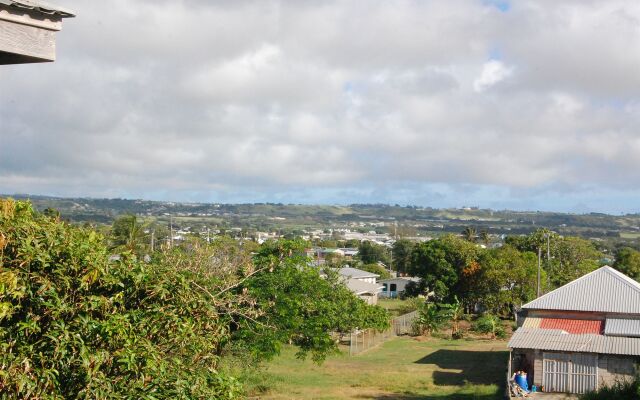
(361, 283)
(394, 287)
(366, 291)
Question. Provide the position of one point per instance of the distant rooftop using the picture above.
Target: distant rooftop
(402, 278)
(360, 287)
(356, 273)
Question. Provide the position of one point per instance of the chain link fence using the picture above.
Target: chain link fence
(363, 340)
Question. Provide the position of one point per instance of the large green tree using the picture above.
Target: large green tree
(448, 267)
(75, 326)
(370, 253)
(430, 262)
(628, 262)
(508, 279)
(573, 258)
(299, 306)
(570, 257)
(402, 255)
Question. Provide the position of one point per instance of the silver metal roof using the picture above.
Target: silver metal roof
(557, 340)
(603, 290)
(356, 273)
(39, 6)
(401, 279)
(622, 327)
(361, 287)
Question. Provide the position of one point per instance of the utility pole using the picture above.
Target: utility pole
(548, 250)
(171, 231)
(152, 239)
(539, 266)
(208, 238)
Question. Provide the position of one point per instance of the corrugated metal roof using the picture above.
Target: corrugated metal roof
(39, 6)
(361, 287)
(557, 340)
(400, 279)
(531, 322)
(356, 273)
(603, 290)
(622, 327)
(573, 326)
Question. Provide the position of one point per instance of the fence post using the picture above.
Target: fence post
(350, 343)
(355, 351)
(367, 339)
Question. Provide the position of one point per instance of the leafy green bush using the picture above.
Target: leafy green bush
(489, 324)
(429, 320)
(629, 389)
(410, 305)
(75, 326)
(375, 269)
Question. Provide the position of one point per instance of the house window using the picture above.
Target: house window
(394, 287)
(384, 287)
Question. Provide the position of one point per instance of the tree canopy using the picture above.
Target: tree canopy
(628, 262)
(371, 253)
(74, 324)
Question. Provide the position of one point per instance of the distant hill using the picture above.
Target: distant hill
(381, 217)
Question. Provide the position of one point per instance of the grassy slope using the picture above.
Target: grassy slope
(403, 368)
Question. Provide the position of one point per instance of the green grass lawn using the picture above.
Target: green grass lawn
(397, 307)
(403, 368)
(629, 235)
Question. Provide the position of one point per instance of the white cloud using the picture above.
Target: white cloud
(493, 72)
(327, 100)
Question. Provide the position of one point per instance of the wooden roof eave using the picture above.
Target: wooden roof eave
(52, 22)
(27, 35)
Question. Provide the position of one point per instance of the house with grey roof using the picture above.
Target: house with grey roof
(361, 283)
(28, 30)
(358, 274)
(581, 336)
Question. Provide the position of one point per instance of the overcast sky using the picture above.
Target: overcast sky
(522, 105)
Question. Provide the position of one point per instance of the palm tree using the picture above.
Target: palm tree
(469, 233)
(128, 234)
(484, 236)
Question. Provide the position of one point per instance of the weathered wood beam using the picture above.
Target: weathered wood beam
(27, 43)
